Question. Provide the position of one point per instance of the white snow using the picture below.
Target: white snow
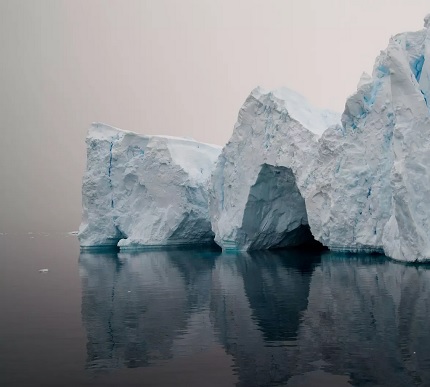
(145, 191)
(299, 108)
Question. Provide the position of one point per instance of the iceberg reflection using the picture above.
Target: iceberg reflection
(134, 306)
(257, 302)
(281, 316)
(367, 318)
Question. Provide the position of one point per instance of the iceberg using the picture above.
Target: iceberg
(361, 183)
(255, 193)
(369, 189)
(290, 173)
(145, 191)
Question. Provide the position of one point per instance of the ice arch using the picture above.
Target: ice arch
(254, 202)
(275, 213)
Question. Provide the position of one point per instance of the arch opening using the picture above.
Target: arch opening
(275, 215)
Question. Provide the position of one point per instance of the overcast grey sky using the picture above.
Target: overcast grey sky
(178, 67)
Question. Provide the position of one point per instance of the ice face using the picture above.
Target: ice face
(370, 185)
(145, 191)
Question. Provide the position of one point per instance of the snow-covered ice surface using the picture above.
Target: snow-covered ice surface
(300, 110)
(145, 191)
(370, 189)
(255, 198)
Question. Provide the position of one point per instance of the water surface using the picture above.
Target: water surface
(203, 318)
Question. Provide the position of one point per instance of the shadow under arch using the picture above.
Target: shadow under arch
(275, 215)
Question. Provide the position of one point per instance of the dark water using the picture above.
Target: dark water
(202, 318)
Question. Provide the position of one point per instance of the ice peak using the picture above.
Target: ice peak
(427, 21)
(300, 109)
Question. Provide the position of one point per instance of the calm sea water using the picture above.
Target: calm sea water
(203, 318)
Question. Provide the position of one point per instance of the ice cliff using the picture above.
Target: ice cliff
(364, 185)
(370, 184)
(255, 193)
(145, 191)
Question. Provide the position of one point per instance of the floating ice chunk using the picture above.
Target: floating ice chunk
(145, 191)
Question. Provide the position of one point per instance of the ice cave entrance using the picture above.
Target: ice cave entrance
(275, 215)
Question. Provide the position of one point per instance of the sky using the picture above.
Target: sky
(174, 67)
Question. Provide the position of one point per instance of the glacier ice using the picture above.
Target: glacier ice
(145, 191)
(255, 192)
(369, 189)
(290, 173)
(363, 185)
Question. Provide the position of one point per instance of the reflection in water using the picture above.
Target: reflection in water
(369, 319)
(257, 304)
(135, 306)
(284, 316)
(277, 287)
